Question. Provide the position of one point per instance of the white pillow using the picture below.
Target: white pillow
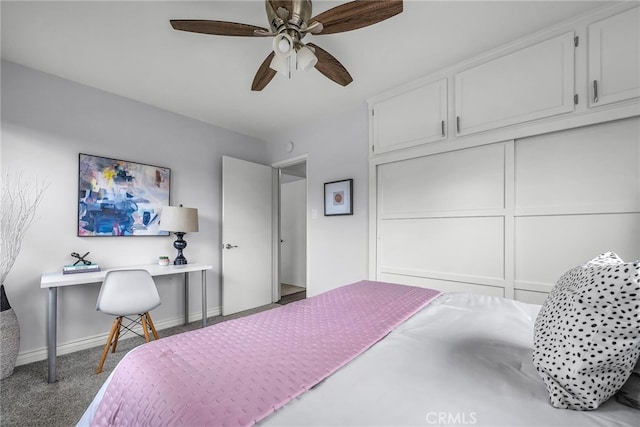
(587, 334)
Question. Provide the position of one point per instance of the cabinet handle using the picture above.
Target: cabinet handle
(458, 124)
(442, 126)
(595, 91)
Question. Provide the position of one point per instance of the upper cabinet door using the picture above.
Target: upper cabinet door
(410, 118)
(531, 83)
(614, 58)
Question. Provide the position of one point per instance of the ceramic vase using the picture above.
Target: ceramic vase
(9, 336)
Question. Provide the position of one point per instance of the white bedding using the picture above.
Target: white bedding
(463, 360)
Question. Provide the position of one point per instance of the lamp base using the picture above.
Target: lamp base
(180, 260)
(179, 244)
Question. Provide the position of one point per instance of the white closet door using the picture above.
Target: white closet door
(577, 194)
(441, 221)
(510, 218)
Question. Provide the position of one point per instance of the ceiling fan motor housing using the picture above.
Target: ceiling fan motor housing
(293, 14)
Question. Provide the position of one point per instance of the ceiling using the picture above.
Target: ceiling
(128, 48)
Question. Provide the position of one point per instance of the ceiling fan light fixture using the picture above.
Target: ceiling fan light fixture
(290, 21)
(281, 65)
(306, 58)
(283, 45)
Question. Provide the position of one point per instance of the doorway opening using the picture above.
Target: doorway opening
(292, 232)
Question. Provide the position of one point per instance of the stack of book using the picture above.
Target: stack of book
(80, 268)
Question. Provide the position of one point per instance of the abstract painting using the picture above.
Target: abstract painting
(120, 198)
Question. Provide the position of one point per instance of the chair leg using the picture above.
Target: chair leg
(145, 328)
(115, 327)
(115, 340)
(153, 328)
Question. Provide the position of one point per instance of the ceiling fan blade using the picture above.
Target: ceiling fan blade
(218, 28)
(264, 74)
(330, 66)
(356, 14)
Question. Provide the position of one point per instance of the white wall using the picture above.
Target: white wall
(337, 148)
(293, 232)
(46, 122)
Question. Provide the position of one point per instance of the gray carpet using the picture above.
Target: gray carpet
(26, 399)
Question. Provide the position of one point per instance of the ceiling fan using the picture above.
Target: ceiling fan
(290, 22)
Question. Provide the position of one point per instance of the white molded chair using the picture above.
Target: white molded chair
(126, 293)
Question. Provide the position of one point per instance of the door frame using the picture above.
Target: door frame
(278, 166)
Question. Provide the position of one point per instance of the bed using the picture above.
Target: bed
(456, 359)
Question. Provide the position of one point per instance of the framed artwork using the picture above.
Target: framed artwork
(120, 198)
(338, 197)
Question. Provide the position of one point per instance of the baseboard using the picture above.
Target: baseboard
(36, 355)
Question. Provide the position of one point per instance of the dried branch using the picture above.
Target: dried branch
(20, 200)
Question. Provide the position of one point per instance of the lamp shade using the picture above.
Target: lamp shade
(306, 58)
(283, 45)
(280, 64)
(179, 219)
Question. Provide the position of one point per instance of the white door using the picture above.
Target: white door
(246, 235)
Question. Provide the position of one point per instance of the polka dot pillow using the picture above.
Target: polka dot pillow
(587, 334)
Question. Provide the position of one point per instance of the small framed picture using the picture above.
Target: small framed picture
(338, 197)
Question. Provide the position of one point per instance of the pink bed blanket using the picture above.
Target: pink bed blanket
(238, 372)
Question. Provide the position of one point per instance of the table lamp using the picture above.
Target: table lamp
(179, 220)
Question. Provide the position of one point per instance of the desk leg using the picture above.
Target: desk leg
(204, 298)
(186, 298)
(52, 330)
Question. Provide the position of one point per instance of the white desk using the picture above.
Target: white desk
(53, 281)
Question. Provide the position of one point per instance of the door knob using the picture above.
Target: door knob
(229, 246)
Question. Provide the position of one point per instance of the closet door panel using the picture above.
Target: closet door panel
(443, 285)
(465, 180)
(530, 297)
(577, 194)
(548, 246)
(592, 169)
(464, 247)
